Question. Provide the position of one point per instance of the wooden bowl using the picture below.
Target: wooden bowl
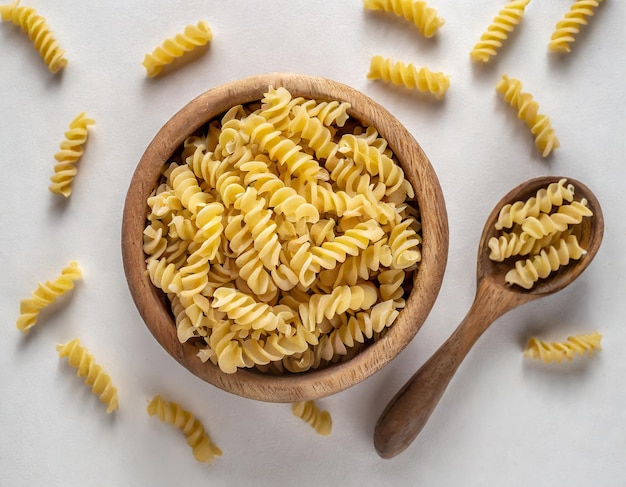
(151, 301)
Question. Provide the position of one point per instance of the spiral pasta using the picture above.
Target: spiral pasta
(100, 382)
(38, 32)
(401, 74)
(554, 195)
(204, 450)
(423, 17)
(528, 111)
(544, 231)
(569, 26)
(71, 151)
(526, 273)
(192, 37)
(46, 294)
(498, 31)
(310, 413)
(544, 224)
(282, 242)
(549, 352)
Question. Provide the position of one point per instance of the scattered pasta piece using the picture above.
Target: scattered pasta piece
(46, 294)
(557, 351)
(71, 151)
(544, 228)
(567, 28)
(319, 420)
(285, 236)
(528, 111)
(499, 30)
(38, 32)
(401, 74)
(192, 37)
(204, 450)
(100, 382)
(423, 17)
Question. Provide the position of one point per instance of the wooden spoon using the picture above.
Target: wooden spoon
(407, 413)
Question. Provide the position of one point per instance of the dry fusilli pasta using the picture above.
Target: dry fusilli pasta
(46, 294)
(567, 28)
(192, 37)
(100, 382)
(38, 31)
(544, 230)
(309, 412)
(528, 111)
(527, 272)
(204, 450)
(281, 241)
(557, 351)
(554, 195)
(423, 17)
(71, 151)
(401, 74)
(498, 31)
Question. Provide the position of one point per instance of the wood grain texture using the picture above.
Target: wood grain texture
(153, 306)
(409, 410)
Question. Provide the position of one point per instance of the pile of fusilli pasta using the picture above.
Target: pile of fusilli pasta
(544, 232)
(283, 235)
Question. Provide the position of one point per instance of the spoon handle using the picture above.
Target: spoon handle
(409, 410)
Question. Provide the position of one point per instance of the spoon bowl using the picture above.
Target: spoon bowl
(409, 410)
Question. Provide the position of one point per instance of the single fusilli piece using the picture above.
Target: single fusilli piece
(528, 111)
(46, 294)
(204, 450)
(71, 151)
(308, 411)
(100, 382)
(423, 17)
(38, 31)
(557, 351)
(499, 30)
(550, 259)
(567, 28)
(192, 37)
(401, 74)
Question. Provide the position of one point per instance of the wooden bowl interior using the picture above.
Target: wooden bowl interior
(154, 308)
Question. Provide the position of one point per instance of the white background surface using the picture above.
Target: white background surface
(503, 421)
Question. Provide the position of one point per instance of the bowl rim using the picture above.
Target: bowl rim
(316, 383)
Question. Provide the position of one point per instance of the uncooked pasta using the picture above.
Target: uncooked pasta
(285, 236)
(544, 234)
(38, 31)
(549, 352)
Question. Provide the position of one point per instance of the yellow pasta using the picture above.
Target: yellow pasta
(192, 37)
(498, 31)
(46, 294)
(554, 195)
(527, 272)
(543, 236)
(567, 28)
(71, 151)
(309, 412)
(423, 17)
(204, 450)
(38, 32)
(281, 241)
(100, 382)
(528, 111)
(401, 74)
(557, 351)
